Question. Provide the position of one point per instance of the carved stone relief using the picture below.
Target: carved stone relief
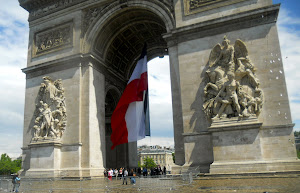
(53, 39)
(50, 114)
(40, 9)
(232, 88)
(195, 6)
(88, 17)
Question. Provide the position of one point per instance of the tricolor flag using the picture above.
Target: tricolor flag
(128, 119)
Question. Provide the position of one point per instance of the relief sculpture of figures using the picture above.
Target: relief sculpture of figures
(231, 87)
(50, 116)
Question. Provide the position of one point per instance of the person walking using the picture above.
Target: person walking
(18, 183)
(125, 175)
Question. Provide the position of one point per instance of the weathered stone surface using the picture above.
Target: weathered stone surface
(92, 46)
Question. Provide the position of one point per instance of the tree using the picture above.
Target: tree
(149, 163)
(297, 133)
(7, 166)
(139, 164)
(298, 153)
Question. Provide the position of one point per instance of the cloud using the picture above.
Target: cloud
(289, 36)
(161, 118)
(162, 141)
(14, 32)
(11, 144)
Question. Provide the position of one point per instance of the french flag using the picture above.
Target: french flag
(128, 118)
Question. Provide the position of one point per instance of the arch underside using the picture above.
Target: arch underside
(121, 39)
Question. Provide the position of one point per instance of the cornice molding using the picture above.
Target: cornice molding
(243, 20)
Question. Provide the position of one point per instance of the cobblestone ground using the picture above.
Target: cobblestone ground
(270, 184)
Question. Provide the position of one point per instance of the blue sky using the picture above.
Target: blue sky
(13, 53)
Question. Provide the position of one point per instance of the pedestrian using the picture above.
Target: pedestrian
(116, 173)
(18, 183)
(120, 173)
(13, 181)
(165, 170)
(110, 174)
(145, 172)
(105, 173)
(125, 175)
(132, 175)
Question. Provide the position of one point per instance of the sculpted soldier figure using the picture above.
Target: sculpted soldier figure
(226, 57)
(51, 117)
(232, 88)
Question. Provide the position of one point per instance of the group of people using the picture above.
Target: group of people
(122, 174)
(155, 171)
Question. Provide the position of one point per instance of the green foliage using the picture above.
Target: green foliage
(7, 166)
(297, 133)
(298, 154)
(139, 164)
(149, 163)
(173, 155)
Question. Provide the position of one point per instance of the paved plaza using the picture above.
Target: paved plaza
(272, 183)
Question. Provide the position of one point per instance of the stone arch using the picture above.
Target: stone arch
(156, 16)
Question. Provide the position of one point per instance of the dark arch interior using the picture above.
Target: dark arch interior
(122, 38)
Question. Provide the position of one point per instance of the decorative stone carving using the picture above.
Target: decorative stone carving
(194, 6)
(53, 39)
(40, 8)
(232, 88)
(50, 116)
(89, 17)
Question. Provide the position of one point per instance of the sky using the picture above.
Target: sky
(13, 53)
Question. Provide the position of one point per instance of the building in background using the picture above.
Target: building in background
(162, 156)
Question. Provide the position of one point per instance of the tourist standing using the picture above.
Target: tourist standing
(110, 174)
(18, 183)
(120, 173)
(116, 173)
(14, 182)
(145, 172)
(125, 175)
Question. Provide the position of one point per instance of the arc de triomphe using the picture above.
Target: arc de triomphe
(230, 106)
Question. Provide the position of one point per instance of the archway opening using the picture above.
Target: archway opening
(119, 44)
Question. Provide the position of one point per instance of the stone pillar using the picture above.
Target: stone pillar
(93, 121)
(176, 105)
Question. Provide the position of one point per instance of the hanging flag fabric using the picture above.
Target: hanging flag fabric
(128, 118)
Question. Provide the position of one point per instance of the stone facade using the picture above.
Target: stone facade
(92, 46)
(161, 156)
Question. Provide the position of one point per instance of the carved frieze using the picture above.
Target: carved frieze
(50, 118)
(195, 6)
(53, 39)
(40, 8)
(231, 86)
(88, 17)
